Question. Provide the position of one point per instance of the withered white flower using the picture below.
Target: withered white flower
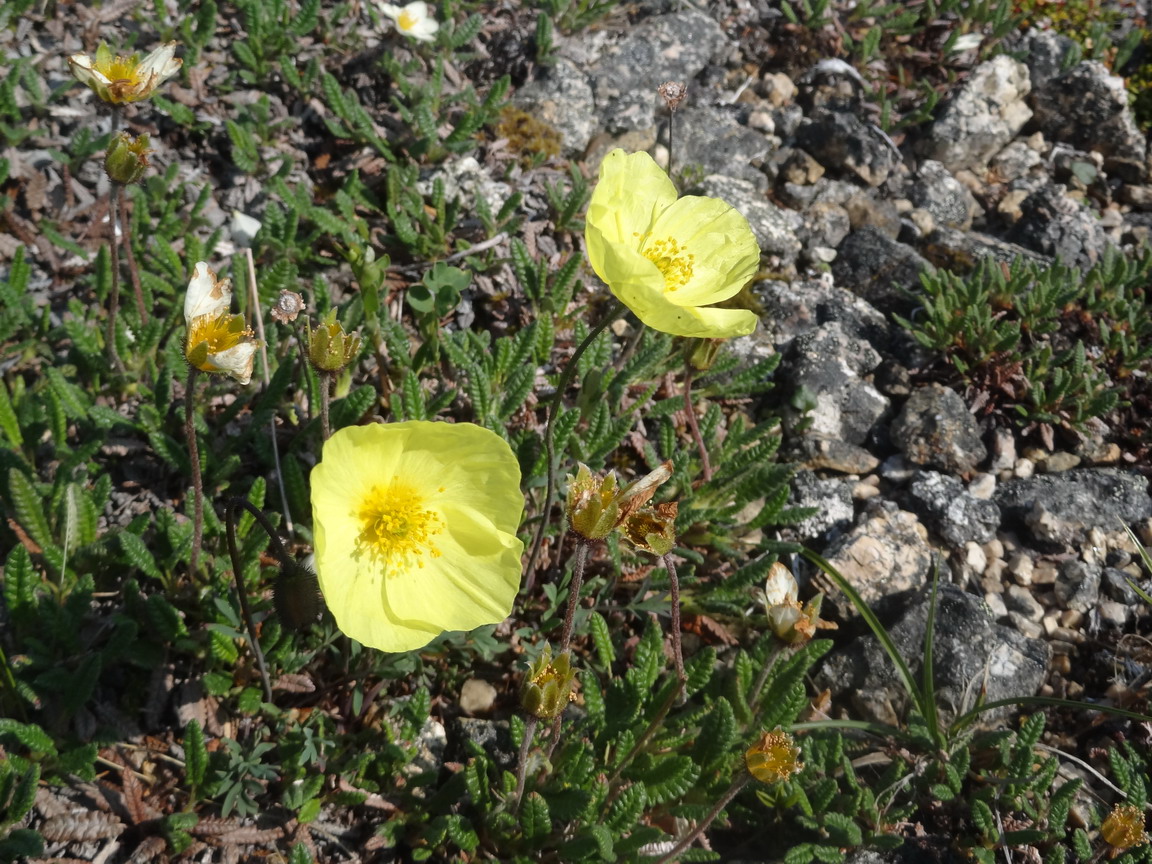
(412, 20)
(218, 341)
(118, 79)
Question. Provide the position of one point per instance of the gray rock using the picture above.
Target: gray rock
(492, 736)
(1020, 600)
(1053, 224)
(1078, 586)
(886, 553)
(950, 249)
(793, 308)
(942, 195)
(827, 366)
(1087, 108)
(820, 453)
(625, 76)
(775, 229)
(1015, 161)
(846, 145)
(935, 429)
(561, 96)
(714, 140)
(832, 499)
(826, 224)
(947, 508)
(1047, 54)
(1115, 583)
(984, 115)
(972, 656)
(879, 269)
(1060, 509)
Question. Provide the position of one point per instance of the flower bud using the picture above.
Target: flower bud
(547, 687)
(774, 758)
(296, 596)
(126, 159)
(329, 348)
(592, 506)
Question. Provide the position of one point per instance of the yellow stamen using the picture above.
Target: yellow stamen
(672, 259)
(219, 332)
(397, 530)
(406, 21)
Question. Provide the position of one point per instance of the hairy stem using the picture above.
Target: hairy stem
(578, 561)
(114, 255)
(238, 576)
(134, 272)
(522, 762)
(611, 314)
(694, 426)
(197, 480)
(325, 403)
(718, 808)
(674, 584)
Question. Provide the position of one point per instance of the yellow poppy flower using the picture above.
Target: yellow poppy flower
(668, 259)
(1124, 827)
(118, 79)
(217, 340)
(415, 530)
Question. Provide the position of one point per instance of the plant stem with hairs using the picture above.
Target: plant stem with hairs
(114, 255)
(611, 314)
(674, 584)
(694, 426)
(197, 480)
(739, 783)
(325, 403)
(238, 575)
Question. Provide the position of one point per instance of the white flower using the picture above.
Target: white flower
(119, 79)
(967, 42)
(412, 20)
(244, 228)
(780, 589)
(217, 340)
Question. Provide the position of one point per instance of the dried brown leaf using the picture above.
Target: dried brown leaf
(81, 827)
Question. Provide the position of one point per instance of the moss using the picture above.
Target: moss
(529, 137)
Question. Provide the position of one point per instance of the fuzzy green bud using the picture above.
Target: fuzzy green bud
(592, 507)
(329, 348)
(547, 688)
(127, 158)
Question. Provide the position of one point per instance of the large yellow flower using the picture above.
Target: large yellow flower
(118, 79)
(668, 259)
(218, 341)
(415, 530)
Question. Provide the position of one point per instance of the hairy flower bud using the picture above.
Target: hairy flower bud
(547, 688)
(126, 159)
(329, 348)
(592, 505)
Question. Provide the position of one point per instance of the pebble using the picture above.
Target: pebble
(1020, 600)
(1113, 613)
(1024, 468)
(1067, 649)
(1029, 628)
(982, 486)
(973, 563)
(995, 570)
(476, 696)
(1063, 634)
(867, 488)
(996, 605)
(1051, 623)
(994, 549)
(1003, 450)
(1061, 664)
(1071, 619)
(1095, 551)
(1022, 568)
(1045, 573)
(1061, 462)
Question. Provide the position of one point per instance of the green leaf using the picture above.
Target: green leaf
(23, 843)
(20, 581)
(669, 778)
(138, 554)
(29, 506)
(603, 640)
(8, 422)
(195, 755)
(626, 810)
(717, 734)
(23, 795)
(535, 820)
(38, 742)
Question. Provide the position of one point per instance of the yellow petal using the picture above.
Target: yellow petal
(631, 194)
(465, 482)
(721, 241)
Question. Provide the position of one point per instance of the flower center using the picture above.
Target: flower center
(406, 21)
(121, 69)
(672, 259)
(219, 332)
(395, 528)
